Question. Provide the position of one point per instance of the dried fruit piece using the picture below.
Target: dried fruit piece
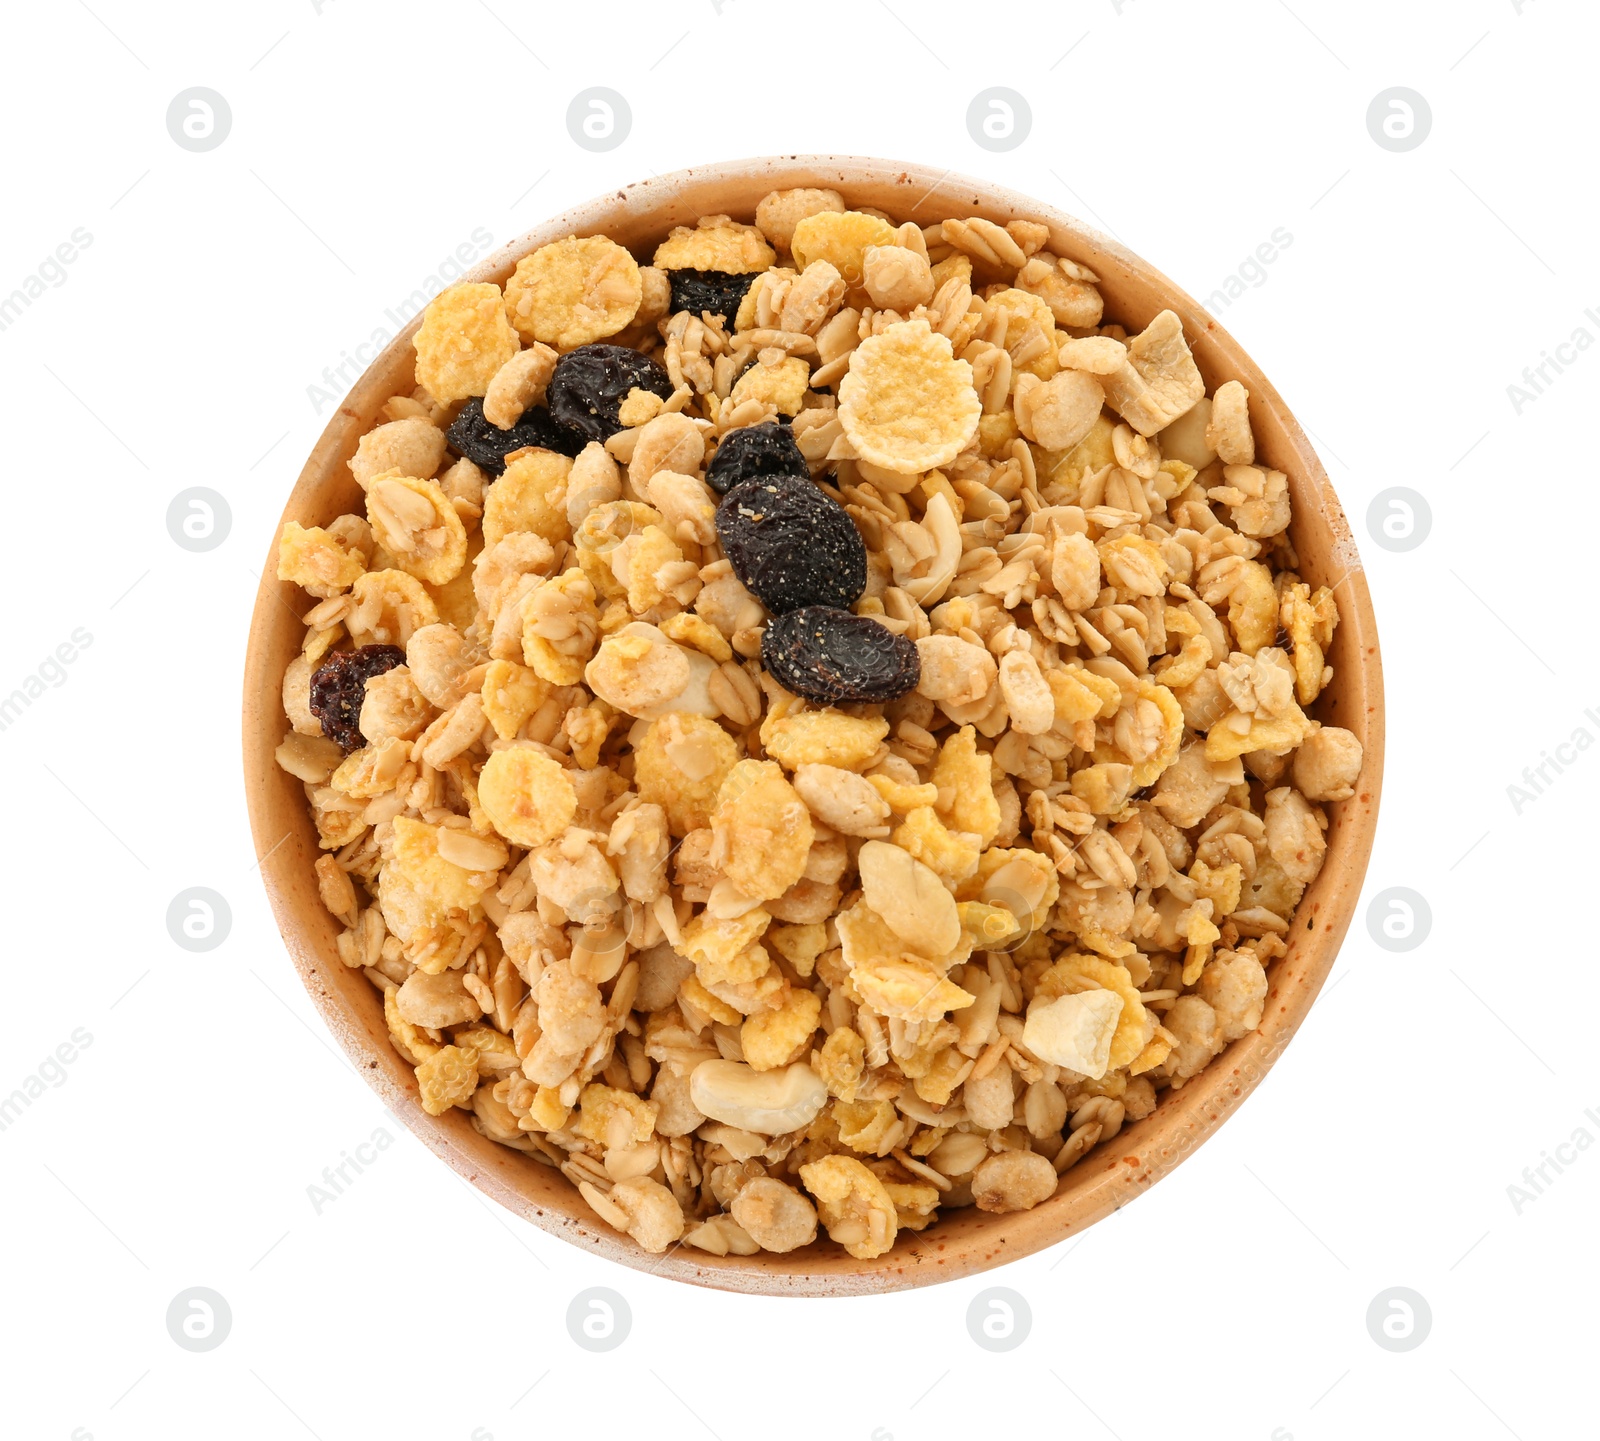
(791, 544)
(573, 291)
(907, 404)
(698, 291)
(830, 656)
(340, 685)
(482, 442)
(591, 383)
(755, 452)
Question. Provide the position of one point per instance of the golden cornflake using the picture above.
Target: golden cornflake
(680, 764)
(761, 829)
(321, 563)
(573, 292)
(529, 798)
(463, 340)
(770, 1038)
(823, 737)
(907, 404)
(511, 693)
(730, 248)
(962, 773)
(841, 1063)
(443, 885)
(616, 1119)
(531, 496)
(852, 1203)
(842, 238)
(950, 854)
(781, 385)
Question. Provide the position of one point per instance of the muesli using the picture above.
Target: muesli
(812, 730)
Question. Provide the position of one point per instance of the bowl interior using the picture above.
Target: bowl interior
(962, 1241)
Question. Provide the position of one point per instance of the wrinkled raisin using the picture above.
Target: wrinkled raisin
(339, 685)
(590, 383)
(830, 656)
(715, 290)
(483, 442)
(791, 544)
(755, 451)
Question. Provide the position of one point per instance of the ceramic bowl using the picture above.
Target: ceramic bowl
(963, 1241)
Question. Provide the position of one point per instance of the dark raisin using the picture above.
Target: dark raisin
(340, 685)
(483, 442)
(754, 451)
(830, 656)
(791, 544)
(715, 290)
(590, 383)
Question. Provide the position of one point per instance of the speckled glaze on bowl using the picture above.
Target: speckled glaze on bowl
(964, 1241)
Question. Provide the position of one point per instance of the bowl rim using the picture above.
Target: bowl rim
(966, 1241)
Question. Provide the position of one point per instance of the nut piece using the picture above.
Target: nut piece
(775, 1216)
(770, 1103)
(954, 670)
(669, 442)
(1159, 381)
(1074, 1031)
(1235, 986)
(1293, 836)
(654, 1218)
(1058, 413)
(911, 899)
(1327, 764)
(1228, 427)
(842, 800)
(1029, 701)
(437, 1001)
(519, 383)
(1013, 1181)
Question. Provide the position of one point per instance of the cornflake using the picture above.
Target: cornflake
(906, 403)
(573, 292)
(463, 340)
(741, 963)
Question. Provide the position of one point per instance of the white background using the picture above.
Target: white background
(367, 141)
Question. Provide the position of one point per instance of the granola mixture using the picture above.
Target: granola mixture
(1001, 862)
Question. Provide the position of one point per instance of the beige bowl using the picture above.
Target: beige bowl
(963, 1241)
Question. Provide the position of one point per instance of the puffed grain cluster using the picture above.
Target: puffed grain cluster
(739, 965)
